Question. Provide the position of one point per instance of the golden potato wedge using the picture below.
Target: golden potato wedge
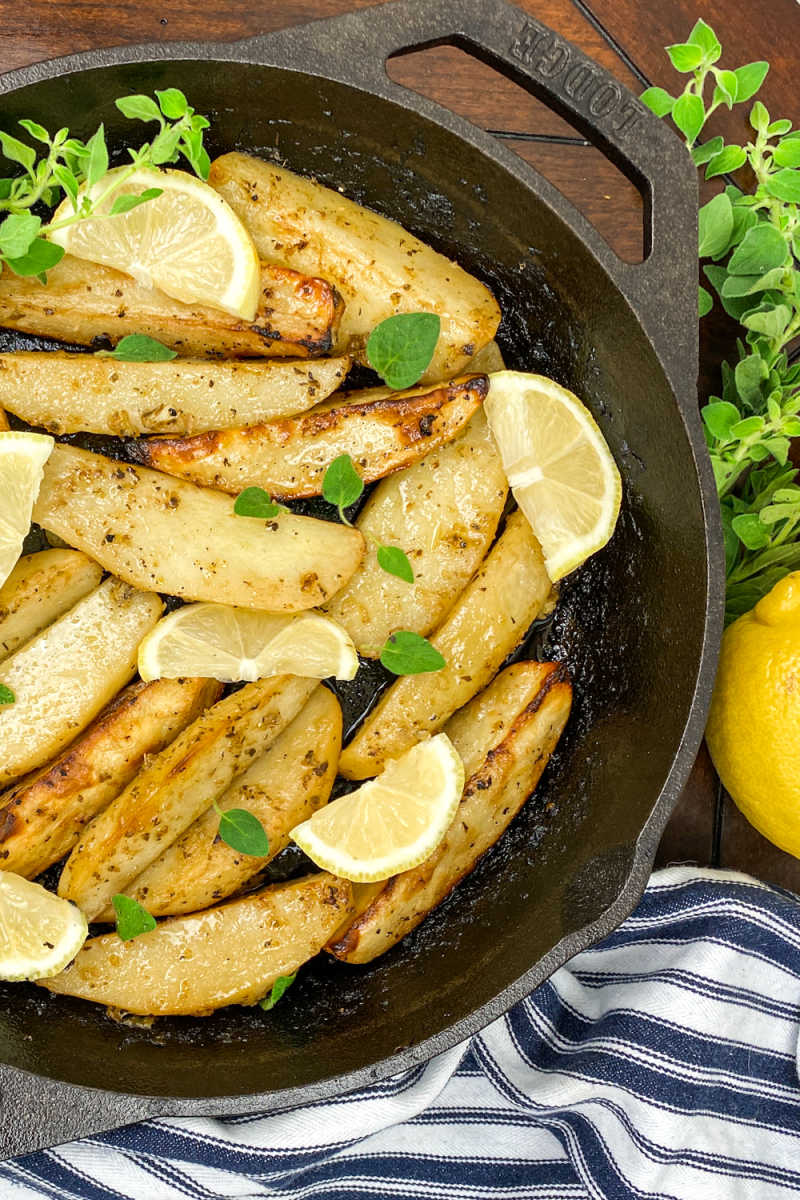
(282, 788)
(3, 420)
(514, 749)
(68, 393)
(487, 621)
(64, 675)
(194, 964)
(175, 787)
(443, 511)
(87, 303)
(43, 817)
(288, 458)
(379, 268)
(489, 358)
(175, 537)
(41, 588)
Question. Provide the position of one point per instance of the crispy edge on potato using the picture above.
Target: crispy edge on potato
(289, 458)
(379, 267)
(3, 421)
(90, 304)
(192, 965)
(494, 793)
(42, 818)
(488, 620)
(69, 671)
(174, 537)
(282, 788)
(41, 588)
(444, 512)
(70, 393)
(175, 787)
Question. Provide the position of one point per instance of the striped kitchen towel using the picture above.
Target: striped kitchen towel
(659, 1065)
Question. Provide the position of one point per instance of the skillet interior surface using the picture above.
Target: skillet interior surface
(630, 624)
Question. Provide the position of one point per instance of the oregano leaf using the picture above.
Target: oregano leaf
(762, 249)
(715, 221)
(749, 79)
(406, 653)
(685, 56)
(729, 159)
(278, 989)
(395, 562)
(138, 108)
(6, 695)
(658, 101)
(138, 347)
(132, 919)
(243, 832)
(255, 502)
(342, 485)
(400, 348)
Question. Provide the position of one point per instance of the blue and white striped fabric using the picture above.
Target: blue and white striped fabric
(660, 1065)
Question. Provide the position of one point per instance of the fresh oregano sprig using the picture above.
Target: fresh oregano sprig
(752, 240)
(342, 486)
(67, 164)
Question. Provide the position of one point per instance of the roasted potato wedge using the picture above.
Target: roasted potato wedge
(87, 303)
(288, 458)
(378, 267)
(282, 788)
(175, 537)
(175, 787)
(228, 955)
(443, 512)
(489, 358)
(68, 393)
(41, 588)
(43, 817)
(511, 748)
(64, 675)
(3, 420)
(485, 624)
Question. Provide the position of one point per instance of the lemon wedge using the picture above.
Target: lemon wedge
(22, 459)
(391, 823)
(188, 241)
(557, 464)
(39, 932)
(218, 641)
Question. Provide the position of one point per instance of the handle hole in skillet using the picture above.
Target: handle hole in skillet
(456, 79)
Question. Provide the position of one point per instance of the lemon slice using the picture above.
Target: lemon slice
(188, 241)
(217, 641)
(557, 464)
(22, 459)
(39, 932)
(393, 822)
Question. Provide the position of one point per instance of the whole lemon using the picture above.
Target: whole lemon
(754, 725)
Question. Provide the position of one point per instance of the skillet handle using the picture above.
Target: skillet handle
(354, 47)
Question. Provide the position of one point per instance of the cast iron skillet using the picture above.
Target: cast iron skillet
(638, 625)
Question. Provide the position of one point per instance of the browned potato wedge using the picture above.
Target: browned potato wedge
(169, 535)
(175, 787)
(282, 788)
(486, 623)
(443, 511)
(379, 268)
(289, 458)
(488, 359)
(84, 302)
(41, 588)
(67, 393)
(64, 675)
(228, 955)
(43, 817)
(512, 748)
(3, 420)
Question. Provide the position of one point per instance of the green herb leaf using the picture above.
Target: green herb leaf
(706, 151)
(729, 159)
(6, 695)
(759, 117)
(68, 181)
(255, 502)
(174, 104)
(342, 485)
(749, 79)
(715, 225)
(703, 36)
(132, 919)
(787, 153)
(400, 349)
(727, 86)
(658, 101)
(705, 302)
(785, 185)
(720, 418)
(278, 988)
(689, 114)
(98, 157)
(164, 147)
(17, 232)
(395, 562)
(138, 347)
(762, 249)
(769, 320)
(748, 285)
(40, 256)
(35, 130)
(16, 151)
(778, 128)
(243, 832)
(750, 531)
(138, 108)
(407, 653)
(127, 200)
(750, 373)
(685, 56)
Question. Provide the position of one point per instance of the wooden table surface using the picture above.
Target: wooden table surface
(628, 37)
